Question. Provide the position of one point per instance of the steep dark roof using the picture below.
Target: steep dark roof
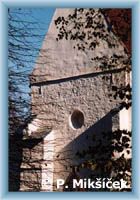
(120, 19)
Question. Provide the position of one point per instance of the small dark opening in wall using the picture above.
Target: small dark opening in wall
(77, 119)
(39, 90)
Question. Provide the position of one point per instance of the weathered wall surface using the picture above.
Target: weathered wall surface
(59, 59)
(54, 103)
(25, 163)
(31, 165)
(64, 80)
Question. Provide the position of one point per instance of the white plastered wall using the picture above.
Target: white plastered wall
(125, 115)
(48, 166)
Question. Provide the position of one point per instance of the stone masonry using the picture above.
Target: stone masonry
(71, 106)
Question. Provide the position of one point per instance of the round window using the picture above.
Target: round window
(77, 119)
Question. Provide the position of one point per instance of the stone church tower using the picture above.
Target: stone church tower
(72, 107)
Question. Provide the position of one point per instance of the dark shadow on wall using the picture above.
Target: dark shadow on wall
(94, 144)
(62, 80)
(16, 147)
(15, 159)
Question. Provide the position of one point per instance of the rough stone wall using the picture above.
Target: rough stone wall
(59, 59)
(46, 160)
(31, 166)
(64, 80)
(25, 163)
(53, 103)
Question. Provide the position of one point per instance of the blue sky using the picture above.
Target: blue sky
(38, 20)
(43, 16)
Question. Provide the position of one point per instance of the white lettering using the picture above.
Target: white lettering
(77, 183)
(60, 182)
